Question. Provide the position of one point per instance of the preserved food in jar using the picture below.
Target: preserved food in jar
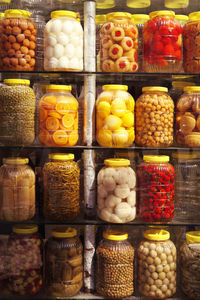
(100, 20)
(190, 265)
(115, 117)
(18, 41)
(58, 117)
(17, 113)
(119, 43)
(157, 265)
(17, 190)
(115, 257)
(1, 26)
(64, 263)
(63, 42)
(116, 197)
(154, 118)
(177, 89)
(156, 189)
(61, 187)
(183, 19)
(162, 43)
(24, 260)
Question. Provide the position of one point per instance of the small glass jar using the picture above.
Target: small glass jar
(58, 117)
(157, 265)
(17, 190)
(116, 197)
(18, 41)
(188, 118)
(154, 118)
(183, 19)
(115, 259)
(156, 189)
(162, 43)
(63, 263)
(63, 42)
(190, 265)
(119, 43)
(24, 253)
(115, 117)
(61, 178)
(17, 113)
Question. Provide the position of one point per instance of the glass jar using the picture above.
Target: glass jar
(156, 189)
(190, 265)
(105, 4)
(64, 263)
(183, 19)
(61, 177)
(100, 20)
(58, 117)
(18, 41)
(175, 4)
(63, 42)
(188, 118)
(17, 190)
(24, 260)
(115, 117)
(119, 43)
(154, 117)
(157, 265)
(162, 43)
(131, 155)
(17, 113)
(115, 258)
(177, 89)
(116, 205)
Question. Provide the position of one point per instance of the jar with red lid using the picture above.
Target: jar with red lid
(156, 189)
(162, 43)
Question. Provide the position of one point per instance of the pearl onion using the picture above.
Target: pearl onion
(63, 39)
(63, 62)
(68, 27)
(49, 51)
(69, 50)
(75, 40)
(53, 62)
(58, 50)
(56, 26)
(51, 40)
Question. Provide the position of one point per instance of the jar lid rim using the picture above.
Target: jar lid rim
(156, 158)
(119, 14)
(155, 89)
(25, 228)
(156, 13)
(156, 235)
(16, 160)
(15, 12)
(16, 81)
(115, 87)
(115, 235)
(63, 13)
(58, 87)
(193, 236)
(117, 162)
(64, 232)
(61, 156)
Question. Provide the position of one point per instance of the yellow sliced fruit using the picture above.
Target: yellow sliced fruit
(60, 137)
(76, 123)
(55, 114)
(113, 122)
(52, 123)
(44, 136)
(105, 96)
(104, 137)
(131, 136)
(42, 114)
(48, 102)
(100, 122)
(103, 109)
(64, 104)
(120, 137)
(118, 107)
(73, 138)
(130, 103)
(68, 120)
(128, 119)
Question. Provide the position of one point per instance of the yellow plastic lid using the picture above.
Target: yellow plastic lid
(192, 89)
(176, 3)
(182, 84)
(115, 87)
(9, 13)
(100, 19)
(6, 1)
(61, 156)
(194, 16)
(2, 15)
(159, 13)
(156, 235)
(182, 18)
(156, 158)
(64, 232)
(25, 228)
(138, 3)
(117, 162)
(154, 89)
(114, 15)
(140, 18)
(105, 4)
(16, 81)
(58, 87)
(15, 161)
(184, 156)
(115, 235)
(193, 236)
(63, 13)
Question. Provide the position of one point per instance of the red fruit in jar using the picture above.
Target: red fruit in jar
(164, 30)
(169, 50)
(178, 54)
(157, 37)
(166, 41)
(152, 26)
(157, 47)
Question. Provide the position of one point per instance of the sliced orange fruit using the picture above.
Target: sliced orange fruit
(68, 120)
(42, 125)
(42, 114)
(76, 124)
(48, 102)
(66, 104)
(44, 137)
(73, 138)
(60, 137)
(55, 114)
(50, 99)
(52, 123)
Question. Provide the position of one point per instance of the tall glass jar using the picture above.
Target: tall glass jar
(63, 42)
(64, 263)
(190, 265)
(24, 260)
(115, 258)
(116, 197)
(18, 41)
(154, 117)
(157, 265)
(17, 190)
(115, 117)
(119, 43)
(162, 43)
(17, 113)
(58, 117)
(61, 177)
(156, 189)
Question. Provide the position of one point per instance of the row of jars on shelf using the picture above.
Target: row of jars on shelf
(156, 276)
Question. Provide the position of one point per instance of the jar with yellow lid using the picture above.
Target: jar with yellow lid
(183, 19)
(157, 265)
(18, 41)
(138, 3)
(116, 197)
(154, 117)
(63, 263)
(61, 178)
(175, 4)
(190, 265)
(119, 43)
(188, 117)
(115, 117)
(63, 42)
(130, 155)
(115, 261)
(162, 43)
(24, 263)
(17, 113)
(105, 4)
(177, 88)
(155, 177)
(58, 117)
